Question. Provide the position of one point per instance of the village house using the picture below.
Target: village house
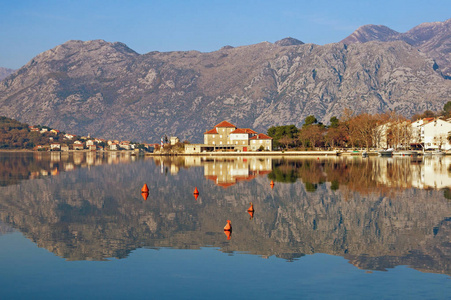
(90, 143)
(64, 148)
(78, 145)
(55, 146)
(69, 136)
(227, 137)
(427, 133)
(125, 145)
(174, 140)
(435, 134)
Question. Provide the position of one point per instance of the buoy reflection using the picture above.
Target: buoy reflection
(228, 234)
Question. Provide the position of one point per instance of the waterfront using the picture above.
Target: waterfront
(338, 227)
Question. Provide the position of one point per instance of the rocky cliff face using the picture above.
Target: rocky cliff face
(430, 38)
(5, 72)
(110, 91)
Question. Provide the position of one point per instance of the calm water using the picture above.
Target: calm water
(77, 227)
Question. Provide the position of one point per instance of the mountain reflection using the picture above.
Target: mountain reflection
(377, 213)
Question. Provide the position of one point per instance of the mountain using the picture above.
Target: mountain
(110, 91)
(5, 72)
(434, 39)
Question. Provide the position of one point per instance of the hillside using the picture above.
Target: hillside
(108, 90)
(434, 39)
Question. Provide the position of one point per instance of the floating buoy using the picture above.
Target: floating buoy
(145, 195)
(228, 226)
(228, 234)
(145, 189)
(272, 184)
(196, 192)
(251, 208)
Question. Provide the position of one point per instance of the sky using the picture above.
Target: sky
(29, 27)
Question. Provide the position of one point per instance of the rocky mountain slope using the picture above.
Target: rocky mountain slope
(5, 72)
(108, 90)
(430, 38)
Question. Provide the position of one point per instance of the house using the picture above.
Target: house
(90, 143)
(125, 145)
(174, 140)
(227, 137)
(113, 146)
(435, 134)
(54, 131)
(78, 145)
(64, 148)
(69, 136)
(261, 141)
(55, 147)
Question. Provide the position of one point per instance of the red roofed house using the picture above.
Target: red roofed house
(227, 137)
(259, 140)
(219, 135)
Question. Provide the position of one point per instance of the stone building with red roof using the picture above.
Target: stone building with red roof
(227, 137)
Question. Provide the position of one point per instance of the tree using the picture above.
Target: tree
(447, 107)
(286, 141)
(334, 122)
(309, 121)
(277, 132)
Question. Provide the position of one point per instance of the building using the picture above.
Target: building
(260, 142)
(55, 146)
(174, 140)
(227, 137)
(435, 134)
(78, 145)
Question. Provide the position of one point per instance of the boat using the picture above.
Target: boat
(405, 153)
(387, 152)
(438, 152)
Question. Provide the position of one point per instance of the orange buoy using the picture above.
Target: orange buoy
(228, 234)
(196, 196)
(196, 191)
(228, 226)
(145, 189)
(272, 184)
(251, 208)
(145, 195)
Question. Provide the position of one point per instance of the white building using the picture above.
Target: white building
(435, 134)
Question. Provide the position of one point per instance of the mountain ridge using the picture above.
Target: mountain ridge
(109, 90)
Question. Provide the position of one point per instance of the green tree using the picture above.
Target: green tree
(309, 121)
(277, 132)
(334, 122)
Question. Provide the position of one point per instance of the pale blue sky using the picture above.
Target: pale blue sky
(29, 27)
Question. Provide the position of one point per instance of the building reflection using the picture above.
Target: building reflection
(227, 172)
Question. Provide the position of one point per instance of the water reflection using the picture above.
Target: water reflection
(377, 213)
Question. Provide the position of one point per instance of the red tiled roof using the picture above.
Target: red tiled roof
(243, 130)
(225, 124)
(261, 136)
(212, 131)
